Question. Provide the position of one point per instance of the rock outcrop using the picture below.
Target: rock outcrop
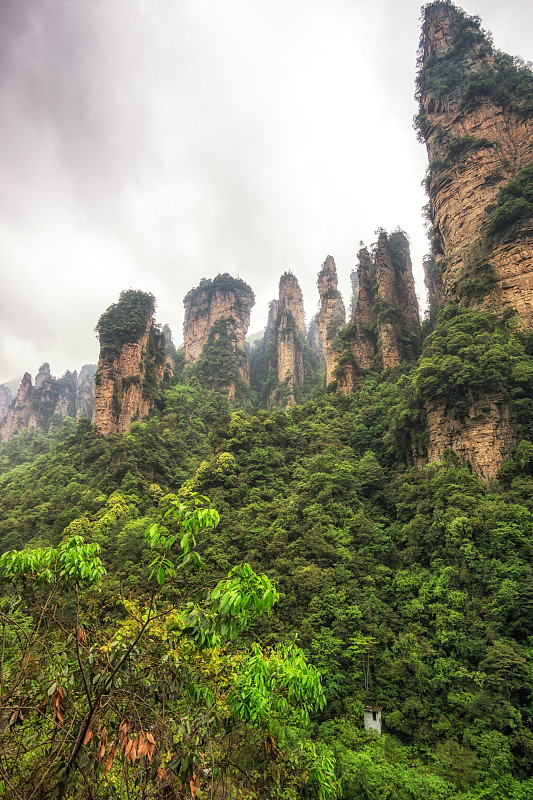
(483, 439)
(284, 344)
(132, 364)
(476, 122)
(479, 139)
(313, 339)
(384, 329)
(85, 392)
(217, 318)
(6, 399)
(18, 413)
(45, 404)
(331, 315)
(397, 317)
(363, 316)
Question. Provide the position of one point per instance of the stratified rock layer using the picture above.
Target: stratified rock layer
(483, 439)
(479, 138)
(331, 315)
(477, 141)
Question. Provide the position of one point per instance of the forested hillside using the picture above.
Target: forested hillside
(203, 605)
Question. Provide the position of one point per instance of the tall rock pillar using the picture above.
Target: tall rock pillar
(331, 315)
(132, 363)
(479, 137)
(217, 317)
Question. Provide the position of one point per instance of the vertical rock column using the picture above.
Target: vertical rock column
(217, 318)
(364, 348)
(397, 315)
(285, 341)
(132, 363)
(18, 413)
(331, 316)
(477, 142)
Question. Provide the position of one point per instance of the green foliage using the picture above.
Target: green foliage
(198, 299)
(467, 355)
(222, 365)
(508, 82)
(514, 205)
(149, 699)
(123, 322)
(456, 74)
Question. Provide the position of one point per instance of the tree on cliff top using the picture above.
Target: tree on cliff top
(125, 321)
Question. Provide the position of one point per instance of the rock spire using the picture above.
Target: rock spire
(132, 363)
(476, 123)
(331, 315)
(217, 317)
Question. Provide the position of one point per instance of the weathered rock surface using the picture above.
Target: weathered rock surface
(223, 298)
(385, 317)
(19, 411)
(331, 315)
(132, 364)
(6, 398)
(483, 439)
(217, 318)
(398, 313)
(477, 141)
(43, 405)
(284, 343)
(363, 316)
(313, 339)
(85, 392)
(475, 146)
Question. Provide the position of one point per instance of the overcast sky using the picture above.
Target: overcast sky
(149, 143)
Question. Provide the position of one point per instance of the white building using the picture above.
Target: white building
(372, 715)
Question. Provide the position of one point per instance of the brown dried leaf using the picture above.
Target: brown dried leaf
(194, 785)
(88, 737)
(142, 749)
(123, 731)
(108, 763)
(150, 738)
(80, 633)
(133, 751)
(58, 705)
(162, 773)
(150, 753)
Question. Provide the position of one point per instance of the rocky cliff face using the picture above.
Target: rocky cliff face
(476, 120)
(284, 344)
(85, 392)
(397, 317)
(331, 316)
(483, 439)
(217, 318)
(385, 328)
(44, 404)
(19, 411)
(6, 398)
(132, 364)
